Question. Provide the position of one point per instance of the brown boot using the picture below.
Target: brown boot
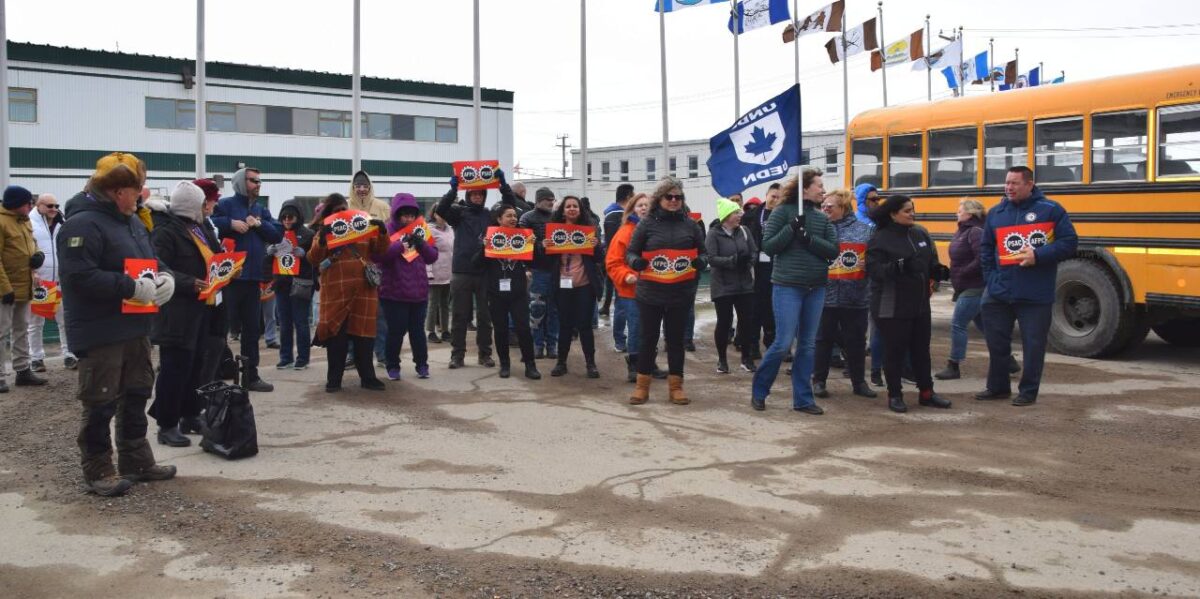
(101, 478)
(641, 392)
(136, 462)
(675, 382)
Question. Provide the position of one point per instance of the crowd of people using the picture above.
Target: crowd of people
(815, 278)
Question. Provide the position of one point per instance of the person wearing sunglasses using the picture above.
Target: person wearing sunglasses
(46, 225)
(663, 305)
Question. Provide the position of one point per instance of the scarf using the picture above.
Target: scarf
(205, 252)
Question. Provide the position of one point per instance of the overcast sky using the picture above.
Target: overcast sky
(532, 48)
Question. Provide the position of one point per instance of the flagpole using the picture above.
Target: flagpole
(737, 75)
(201, 75)
(477, 93)
(883, 54)
(845, 81)
(796, 39)
(962, 85)
(928, 66)
(662, 46)
(992, 62)
(583, 179)
(356, 90)
(1017, 62)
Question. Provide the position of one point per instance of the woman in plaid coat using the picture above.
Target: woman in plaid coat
(348, 301)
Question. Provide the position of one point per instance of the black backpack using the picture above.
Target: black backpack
(230, 431)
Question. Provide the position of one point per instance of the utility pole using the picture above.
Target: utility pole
(562, 143)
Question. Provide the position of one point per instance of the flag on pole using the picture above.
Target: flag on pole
(761, 146)
(1031, 79)
(949, 56)
(1062, 78)
(970, 71)
(673, 5)
(908, 49)
(826, 20)
(858, 40)
(753, 14)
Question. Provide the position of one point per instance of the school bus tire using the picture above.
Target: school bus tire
(1182, 332)
(1089, 319)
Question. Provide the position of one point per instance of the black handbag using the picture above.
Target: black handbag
(302, 289)
(371, 271)
(230, 430)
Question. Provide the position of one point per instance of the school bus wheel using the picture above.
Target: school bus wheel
(1183, 332)
(1089, 319)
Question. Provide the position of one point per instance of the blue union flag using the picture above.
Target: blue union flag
(760, 147)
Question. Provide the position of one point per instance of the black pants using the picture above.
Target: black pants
(608, 294)
(744, 304)
(175, 389)
(672, 320)
(241, 298)
(467, 290)
(515, 306)
(905, 338)
(576, 307)
(337, 346)
(764, 310)
(847, 328)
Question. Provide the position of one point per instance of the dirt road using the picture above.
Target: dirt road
(469, 485)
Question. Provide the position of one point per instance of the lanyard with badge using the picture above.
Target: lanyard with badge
(505, 281)
(565, 282)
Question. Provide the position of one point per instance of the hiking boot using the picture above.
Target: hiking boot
(896, 404)
(989, 395)
(260, 386)
(1013, 365)
(456, 362)
(26, 378)
(37, 365)
(930, 399)
(592, 371)
(71, 362)
(487, 362)
(641, 392)
(758, 403)
(722, 366)
(560, 368)
(109, 486)
(172, 437)
(531, 371)
(949, 373)
(150, 473)
(819, 390)
(1022, 400)
(675, 384)
(864, 390)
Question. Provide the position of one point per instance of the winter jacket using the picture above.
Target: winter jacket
(92, 248)
(536, 219)
(470, 223)
(848, 291)
(44, 235)
(16, 247)
(614, 262)
(304, 241)
(965, 271)
(255, 241)
(438, 273)
(666, 230)
(377, 208)
(592, 265)
(613, 213)
(732, 260)
(405, 281)
(1034, 284)
(901, 263)
(798, 264)
(495, 269)
(863, 210)
(183, 320)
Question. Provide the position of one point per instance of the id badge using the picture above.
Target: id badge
(505, 285)
(764, 257)
(565, 283)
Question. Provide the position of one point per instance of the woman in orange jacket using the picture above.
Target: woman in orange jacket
(625, 280)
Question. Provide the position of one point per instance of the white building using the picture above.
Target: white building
(641, 165)
(69, 107)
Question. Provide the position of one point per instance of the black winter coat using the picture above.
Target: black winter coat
(732, 260)
(470, 223)
(183, 320)
(92, 248)
(902, 262)
(592, 265)
(536, 219)
(666, 230)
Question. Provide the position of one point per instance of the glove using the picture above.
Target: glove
(941, 273)
(454, 183)
(639, 264)
(164, 288)
(798, 222)
(9, 298)
(415, 241)
(143, 290)
(299, 251)
(37, 259)
(699, 263)
(743, 259)
(500, 177)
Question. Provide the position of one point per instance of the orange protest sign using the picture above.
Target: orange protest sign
(222, 268)
(696, 216)
(477, 174)
(508, 243)
(1012, 240)
(348, 226)
(46, 297)
(287, 265)
(419, 228)
(562, 238)
(140, 268)
(850, 263)
(669, 266)
(266, 291)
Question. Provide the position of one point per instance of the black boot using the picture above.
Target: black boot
(1013, 365)
(531, 371)
(949, 373)
(171, 436)
(862, 389)
(560, 368)
(896, 404)
(819, 390)
(505, 370)
(933, 400)
(363, 354)
(631, 368)
(592, 371)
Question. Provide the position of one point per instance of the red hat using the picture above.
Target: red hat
(752, 201)
(212, 193)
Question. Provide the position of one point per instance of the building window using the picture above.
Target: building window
(22, 105)
(1119, 146)
(425, 129)
(333, 123)
(624, 165)
(693, 166)
(304, 121)
(604, 170)
(1058, 150)
(671, 166)
(831, 161)
(589, 172)
(376, 126)
(1179, 141)
(804, 157)
(904, 160)
(867, 166)
(163, 113)
(952, 157)
(1004, 146)
(279, 120)
(651, 165)
(446, 130)
(222, 117)
(404, 127)
(251, 118)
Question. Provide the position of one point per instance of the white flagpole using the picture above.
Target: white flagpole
(992, 62)
(928, 66)
(4, 86)
(583, 180)
(662, 45)
(883, 54)
(737, 87)
(796, 40)
(200, 106)
(356, 91)
(477, 93)
(845, 81)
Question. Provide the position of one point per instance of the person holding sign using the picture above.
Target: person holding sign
(470, 220)
(349, 299)
(115, 373)
(844, 319)
(902, 265)
(572, 254)
(404, 291)
(294, 281)
(667, 250)
(731, 252)
(507, 282)
(1024, 239)
(625, 281)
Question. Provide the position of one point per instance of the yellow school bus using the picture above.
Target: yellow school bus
(1121, 154)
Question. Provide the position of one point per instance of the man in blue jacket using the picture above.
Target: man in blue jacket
(1024, 239)
(250, 226)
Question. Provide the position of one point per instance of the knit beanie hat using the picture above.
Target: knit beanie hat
(16, 196)
(187, 201)
(725, 208)
(212, 193)
(543, 193)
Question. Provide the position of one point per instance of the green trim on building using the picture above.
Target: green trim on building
(53, 158)
(103, 59)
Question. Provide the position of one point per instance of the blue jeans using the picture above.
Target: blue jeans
(797, 317)
(270, 333)
(966, 311)
(381, 330)
(626, 323)
(545, 334)
(998, 319)
(293, 319)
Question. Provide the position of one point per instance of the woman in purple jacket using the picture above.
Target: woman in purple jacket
(404, 290)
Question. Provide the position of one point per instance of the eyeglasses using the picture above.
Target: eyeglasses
(671, 197)
(826, 207)
(51, 206)
(254, 180)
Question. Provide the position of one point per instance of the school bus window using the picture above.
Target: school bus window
(868, 161)
(1004, 146)
(1179, 141)
(1119, 146)
(904, 160)
(952, 157)
(1058, 150)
